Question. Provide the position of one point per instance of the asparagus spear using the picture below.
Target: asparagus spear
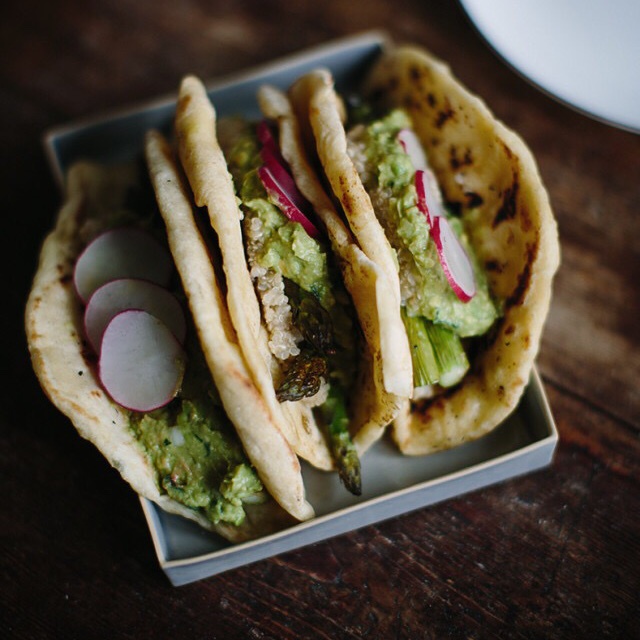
(305, 371)
(450, 354)
(342, 448)
(437, 352)
(425, 365)
(304, 376)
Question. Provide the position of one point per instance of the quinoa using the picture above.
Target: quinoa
(284, 337)
(319, 398)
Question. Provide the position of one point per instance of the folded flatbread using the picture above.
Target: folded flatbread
(385, 383)
(490, 179)
(66, 367)
(263, 441)
(381, 382)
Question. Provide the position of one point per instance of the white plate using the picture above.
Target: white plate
(585, 54)
(392, 483)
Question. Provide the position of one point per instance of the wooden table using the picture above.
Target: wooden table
(552, 554)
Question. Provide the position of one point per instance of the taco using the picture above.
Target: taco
(292, 270)
(192, 457)
(384, 373)
(437, 191)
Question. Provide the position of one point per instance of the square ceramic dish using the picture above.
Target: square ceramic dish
(393, 484)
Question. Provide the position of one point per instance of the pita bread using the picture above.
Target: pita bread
(487, 172)
(66, 368)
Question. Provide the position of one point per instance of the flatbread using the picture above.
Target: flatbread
(206, 169)
(66, 368)
(489, 174)
(267, 447)
(325, 114)
(385, 377)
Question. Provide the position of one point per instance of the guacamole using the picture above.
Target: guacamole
(426, 291)
(435, 318)
(195, 451)
(286, 248)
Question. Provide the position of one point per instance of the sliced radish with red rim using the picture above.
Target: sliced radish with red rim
(413, 148)
(428, 196)
(268, 140)
(451, 254)
(454, 259)
(279, 183)
(129, 293)
(121, 253)
(283, 192)
(141, 363)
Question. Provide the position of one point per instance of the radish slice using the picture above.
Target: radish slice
(454, 259)
(413, 148)
(279, 184)
(268, 140)
(283, 192)
(429, 198)
(285, 180)
(429, 201)
(141, 363)
(128, 293)
(121, 253)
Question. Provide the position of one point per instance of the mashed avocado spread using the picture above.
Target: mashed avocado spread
(195, 451)
(286, 248)
(426, 291)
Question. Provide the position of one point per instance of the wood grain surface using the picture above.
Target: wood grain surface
(552, 554)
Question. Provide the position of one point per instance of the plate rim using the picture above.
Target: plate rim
(470, 10)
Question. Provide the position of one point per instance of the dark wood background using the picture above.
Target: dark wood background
(553, 554)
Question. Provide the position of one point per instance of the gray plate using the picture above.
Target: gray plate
(393, 484)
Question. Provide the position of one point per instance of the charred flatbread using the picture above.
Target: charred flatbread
(489, 180)
(95, 197)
